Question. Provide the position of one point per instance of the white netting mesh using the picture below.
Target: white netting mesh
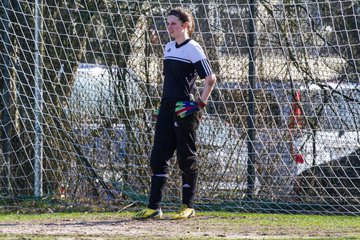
(87, 99)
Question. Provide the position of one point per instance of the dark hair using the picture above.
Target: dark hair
(184, 15)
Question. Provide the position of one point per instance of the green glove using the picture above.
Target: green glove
(185, 108)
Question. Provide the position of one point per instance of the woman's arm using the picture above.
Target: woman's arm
(210, 81)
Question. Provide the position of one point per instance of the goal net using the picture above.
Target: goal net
(81, 81)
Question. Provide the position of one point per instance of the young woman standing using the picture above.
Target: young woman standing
(179, 114)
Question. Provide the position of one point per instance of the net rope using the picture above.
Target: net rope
(101, 82)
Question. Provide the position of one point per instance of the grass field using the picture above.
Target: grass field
(207, 225)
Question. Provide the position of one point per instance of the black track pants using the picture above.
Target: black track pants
(175, 133)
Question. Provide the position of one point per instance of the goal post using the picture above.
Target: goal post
(280, 132)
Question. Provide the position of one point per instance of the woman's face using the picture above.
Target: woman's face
(175, 27)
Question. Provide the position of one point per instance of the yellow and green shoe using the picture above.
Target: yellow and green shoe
(149, 213)
(185, 212)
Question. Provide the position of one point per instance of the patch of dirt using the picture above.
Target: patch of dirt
(125, 227)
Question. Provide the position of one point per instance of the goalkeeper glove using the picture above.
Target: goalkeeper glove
(185, 108)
